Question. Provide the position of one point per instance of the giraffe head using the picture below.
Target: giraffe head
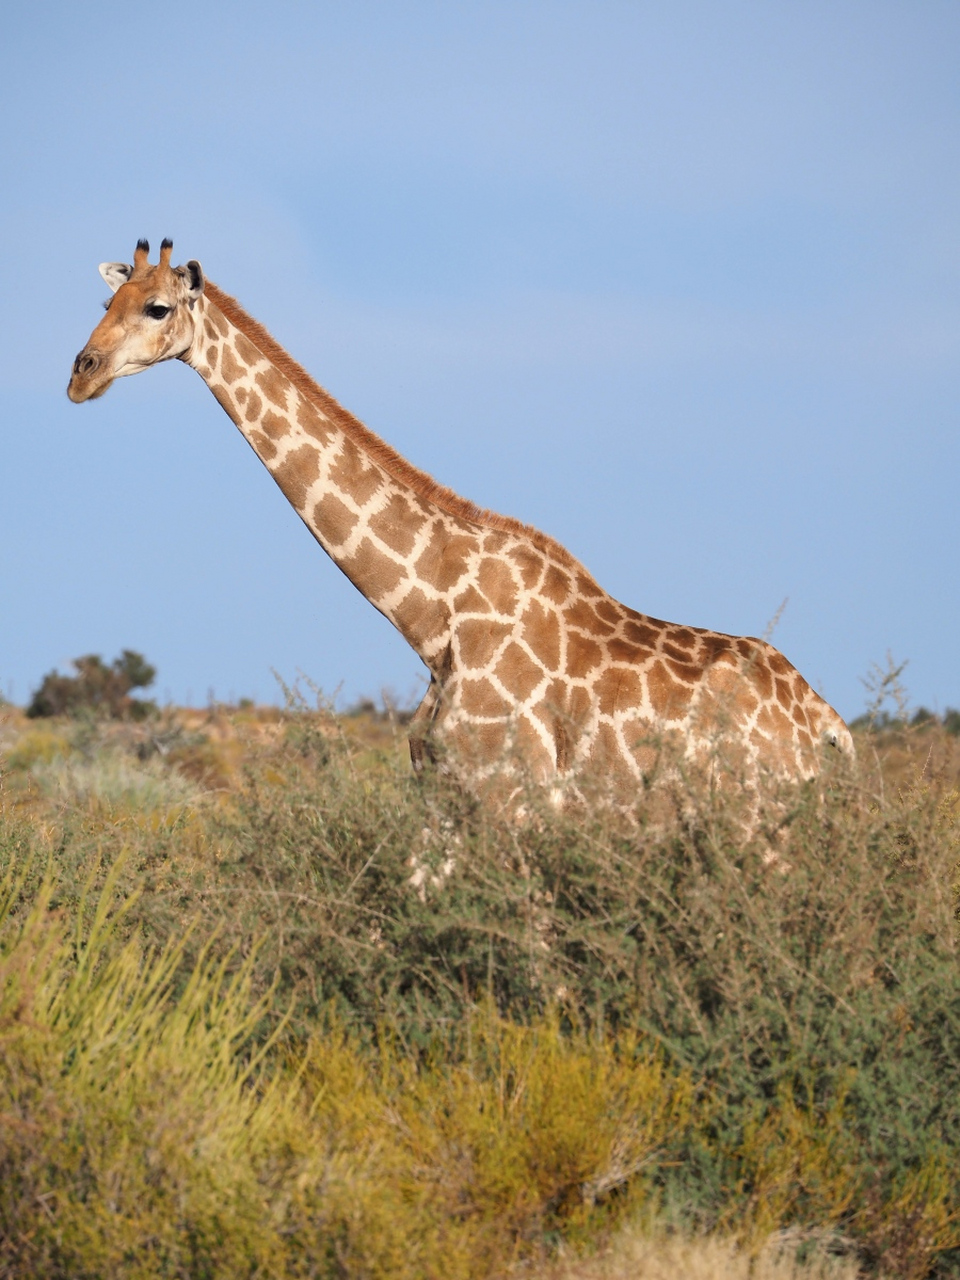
(150, 318)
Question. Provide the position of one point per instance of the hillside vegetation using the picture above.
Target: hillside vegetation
(271, 1008)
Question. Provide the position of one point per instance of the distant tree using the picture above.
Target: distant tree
(96, 687)
(950, 720)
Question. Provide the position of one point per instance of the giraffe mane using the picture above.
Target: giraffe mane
(382, 453)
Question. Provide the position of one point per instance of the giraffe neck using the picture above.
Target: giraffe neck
(401, 549)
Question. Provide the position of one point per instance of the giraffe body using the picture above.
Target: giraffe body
(527, 655)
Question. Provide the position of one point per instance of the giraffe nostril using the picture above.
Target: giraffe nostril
(86, 362)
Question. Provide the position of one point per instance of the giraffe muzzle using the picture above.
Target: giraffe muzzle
(87, 362)
(83, 382)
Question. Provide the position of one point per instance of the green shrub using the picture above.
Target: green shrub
(141, 1133)
(96, 688)
(803, 1013)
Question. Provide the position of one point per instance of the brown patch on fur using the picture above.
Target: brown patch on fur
(265, 448)
(246, 350)
(541, 630)
(378, 450)
(582, 655)
(254, 407)
(334, 519)
(277, 427)
(531, 749)
(608, 764)
(480, 698)
(671, 651)
(230, 370)
(373, 572)
(443, 562)
(479, 640)
(777, 662)
(350, 474)
(748, 702)
(529, 563)
(637, 740)
(641, 633)
(494, 542)
(471, 601)
(582, 615)
(420, 619)
(312, 422)
(397, 524)
(274, 386)
(587, 587)
(296, 473)
(556, 585)
(496, 581)
(685, 637)
(668, 698)
(210, 329)
(683, 671)
(241, 394)
(224, 399)
(579, 706)
(212, 357)
(784, 695)
(617, 688)
(609, 611)
(518, 672)
(725, 680)
(716, 649)
(631, 654)
(783, 728)
(480, 741)
(765, 721)
(762, 679)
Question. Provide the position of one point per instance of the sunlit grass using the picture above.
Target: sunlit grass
(241, 1035)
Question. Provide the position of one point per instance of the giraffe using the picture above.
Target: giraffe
(528, 657)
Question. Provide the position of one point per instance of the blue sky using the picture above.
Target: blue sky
(678, 283)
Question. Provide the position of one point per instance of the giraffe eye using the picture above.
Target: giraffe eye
(156, 311)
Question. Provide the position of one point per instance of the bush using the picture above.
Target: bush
(805, 1011)
(96, 688)
(141, 1133)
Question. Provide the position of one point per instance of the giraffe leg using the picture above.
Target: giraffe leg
(421, 722)
(426, 715)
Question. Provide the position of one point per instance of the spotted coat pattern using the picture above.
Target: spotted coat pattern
(526, 652)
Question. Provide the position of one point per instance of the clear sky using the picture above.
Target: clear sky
(677, 282)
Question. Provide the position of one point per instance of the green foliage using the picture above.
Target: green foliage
(96, 688)
(922, 718)
(950, 720)
(750, 1044)
(141, 1133)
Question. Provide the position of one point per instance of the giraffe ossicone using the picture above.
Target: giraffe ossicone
(526, 653)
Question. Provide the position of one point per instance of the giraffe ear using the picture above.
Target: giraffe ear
(192, 275)
(116, 273)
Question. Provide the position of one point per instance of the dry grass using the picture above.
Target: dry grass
(636, 1254)
(238, 1040)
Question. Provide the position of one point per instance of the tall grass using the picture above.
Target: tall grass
(325, 1021)
(144, 1134)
